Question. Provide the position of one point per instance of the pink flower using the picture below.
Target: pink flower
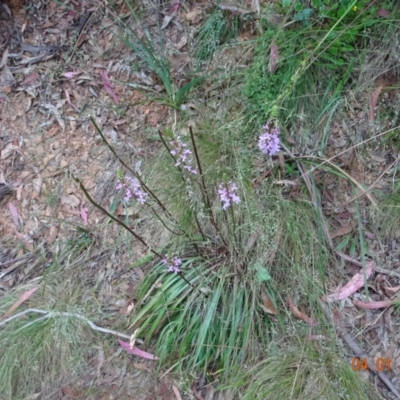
(182, 154)
(173, 264)
(132, 189)
(269, 141)
(227, 194)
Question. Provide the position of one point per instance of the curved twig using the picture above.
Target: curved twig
(52, 314)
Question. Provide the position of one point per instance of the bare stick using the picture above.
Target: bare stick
(52, 314)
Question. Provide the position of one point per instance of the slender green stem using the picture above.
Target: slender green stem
(116, 219)
(148, 190)
(234, 223)
(167, 213)
(134, 234)
(206, 197)
(183, 180)
(164, 224)
(190, 284)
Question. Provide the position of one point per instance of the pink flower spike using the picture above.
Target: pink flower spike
(227, 194)
(132, 189)
(182, 154)
(269, 141)
(173, 264)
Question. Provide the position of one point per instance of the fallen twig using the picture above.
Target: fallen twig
(360, 264)
(52, 314)
(21, 262)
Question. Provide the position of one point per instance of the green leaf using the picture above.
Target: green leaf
(143, 260)
(342, 11)
(262, 272)
(335, 62)
(298, 6)
(303, 15)
(316, 3)
(263, 275)
(286, 3)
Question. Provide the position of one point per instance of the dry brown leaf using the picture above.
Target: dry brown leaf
(99, 360)
(251, 241)
(19, 192)
(370, 235)
(139, 272)
(372, 305)
(70, 392)
(31, 78)
(176, 391)
(17, 219)
(70, 200)
(51, 237)
(273, 58)
(56, 113)
(142, 367)
(37, 184)
(130, 308)
(344, 230)
(168, 19)
(179, 60)
(8, 150)
(4, 57)
(194, 16)
(391, 290)
(196, 392)
(355, 283)
(267, 305)
(233, 9)
(22, 299)
(297, 313)
(373, 100)
(26, 240)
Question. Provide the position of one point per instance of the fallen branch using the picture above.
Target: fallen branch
(52, 314)
(360, 264)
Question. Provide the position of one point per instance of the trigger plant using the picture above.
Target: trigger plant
(200, 288)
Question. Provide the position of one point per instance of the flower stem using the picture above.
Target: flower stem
(206, 197)
(148, 190)
(116, 219)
